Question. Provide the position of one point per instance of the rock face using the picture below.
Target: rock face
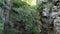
(51, 18)
(46, 21)
(57, 25)
(45, 11)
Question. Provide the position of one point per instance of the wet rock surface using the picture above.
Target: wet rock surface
(51, 18)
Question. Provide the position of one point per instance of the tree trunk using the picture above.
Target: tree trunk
(5, 17)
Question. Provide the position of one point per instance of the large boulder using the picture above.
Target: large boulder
(57, 25)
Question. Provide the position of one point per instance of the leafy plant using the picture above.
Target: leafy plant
(22, 12)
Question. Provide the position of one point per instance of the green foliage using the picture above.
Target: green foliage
(40, 6)
(18, 3)
(27, 14)
(1, 33)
